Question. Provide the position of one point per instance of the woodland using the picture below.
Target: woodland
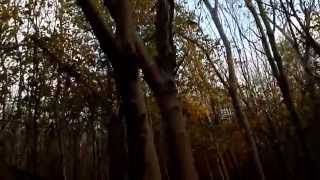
(159, 90)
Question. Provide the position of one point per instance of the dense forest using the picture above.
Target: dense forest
(159, 90)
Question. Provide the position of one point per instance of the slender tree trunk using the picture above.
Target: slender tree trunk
(236, 164)
(75, 155)
(222, 165)
(32, 125)
(57, 119)
(219, 166)
(275, 61)
(277, 149)
(34, 154)
(233, 89)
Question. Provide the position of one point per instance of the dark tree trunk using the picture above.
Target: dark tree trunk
(143, 161)
(180, 161)
(142, 157)
(128, 48)
(116, 149)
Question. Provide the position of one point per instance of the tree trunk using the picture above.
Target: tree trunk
(130, 48)
(180, 162)
(116, 149)
(143, 161)
(278, 72)
(232, 82)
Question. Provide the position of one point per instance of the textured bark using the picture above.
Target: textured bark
(233, 89)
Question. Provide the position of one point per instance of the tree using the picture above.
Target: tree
(276, 63)
(154, 89)
(160, 82)
(233, 86)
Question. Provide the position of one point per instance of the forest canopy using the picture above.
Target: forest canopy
(159, 89)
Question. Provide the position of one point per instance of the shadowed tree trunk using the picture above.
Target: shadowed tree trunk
(143, 162)
(180, 162)
(116, 148)
(142, 157)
